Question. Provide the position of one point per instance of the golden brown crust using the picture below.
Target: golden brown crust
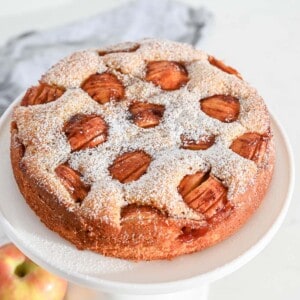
(144, 232)
(150, 151)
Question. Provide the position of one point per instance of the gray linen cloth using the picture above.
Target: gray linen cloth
(24, 58)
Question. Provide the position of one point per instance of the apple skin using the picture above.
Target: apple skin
(22, 279)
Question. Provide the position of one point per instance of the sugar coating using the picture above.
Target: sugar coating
(40, 130)
(72, 70)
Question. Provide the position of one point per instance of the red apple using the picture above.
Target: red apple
(22, 279)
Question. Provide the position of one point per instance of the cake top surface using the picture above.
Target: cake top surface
(177, 117)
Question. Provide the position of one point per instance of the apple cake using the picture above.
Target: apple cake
(142, 151)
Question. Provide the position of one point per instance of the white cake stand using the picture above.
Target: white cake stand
(186, 276)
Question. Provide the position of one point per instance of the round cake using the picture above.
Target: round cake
(142, 151)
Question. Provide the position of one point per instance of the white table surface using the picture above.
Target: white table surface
(262, 40)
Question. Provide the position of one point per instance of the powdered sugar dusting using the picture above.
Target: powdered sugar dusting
(40, 130)
(151, 50)
(71, 71)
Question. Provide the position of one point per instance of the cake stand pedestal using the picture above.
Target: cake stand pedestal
(108, 278)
